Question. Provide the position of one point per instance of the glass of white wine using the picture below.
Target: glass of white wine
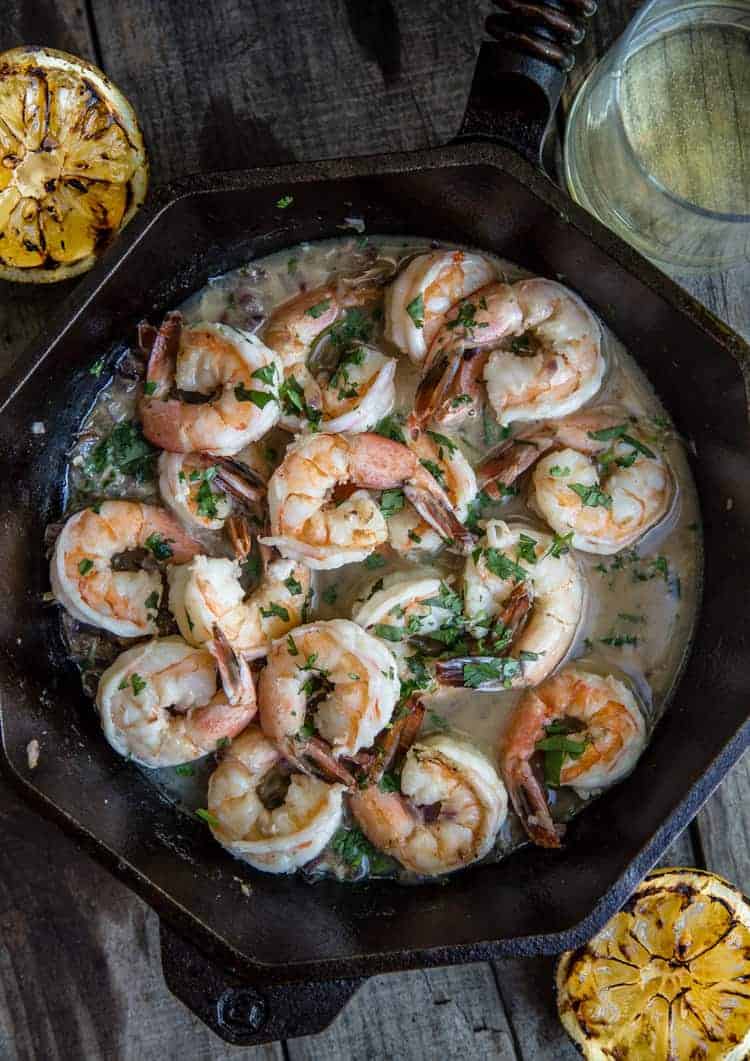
(658, 138)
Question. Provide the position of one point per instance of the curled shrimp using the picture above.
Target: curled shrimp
(554, 364)
(596, 723)
(159, 704)
(423, 292)
(199, 489)
(344, 679)
(357, 389)
(447, 813)
(271, 835)
(84, 581)
(354, 396)
(208, 592)
(534, 344)
(234, 368)
(408, 532)
(524, 595)
(307, 523)
(595, 479)
(405, 607)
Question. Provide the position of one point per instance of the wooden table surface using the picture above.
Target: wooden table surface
(237, 83)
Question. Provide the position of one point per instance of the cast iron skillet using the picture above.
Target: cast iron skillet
(323, 939)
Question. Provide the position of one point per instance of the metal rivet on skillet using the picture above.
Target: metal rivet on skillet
(241, 1010)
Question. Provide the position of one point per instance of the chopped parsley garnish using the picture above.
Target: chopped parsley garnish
(482, 671)
(559, 473)
(293, 585)
(266, 374)
(501, 565)
(318, 309)
(208, 818)
(557, 744)
(438, 721)
(414, 537)
(185, 770)
(159, 546)
(561, 544)
(292, 398)
(415, 309)
(388, 633)
(591, 496)
(330, 593)
(461, 399)
(618, 640)
(526, 548)
(152, 601)
(149, 387)
(389, 783)
(284, 202)
(443, 443)
(521, 345)
(259, 398)
(390, 427)
(353, 847)
(291, 265)
(84, 566)
(391, 502)
(96, 369)
(124, 450)
(206, 499)
(630, 617)
(137, 683)
(275, 609)
(465, 318)
(435, 471)
(374, 561)
(291, 645)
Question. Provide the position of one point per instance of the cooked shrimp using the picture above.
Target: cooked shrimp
(554, 364)
(422, 293)
(523, 597)
(452, 387)
(235, 368)
(595, 478)
(359, 392)
(594, 721)
(84, 580)
(306, 522)
(408, 532)
(199, 489)
(159, 704)
(447, 814)
(208, 592)
(348, 676)
(277, 838)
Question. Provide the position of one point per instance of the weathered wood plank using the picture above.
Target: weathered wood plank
(441, 1013)
(232, 85)
(80, 974)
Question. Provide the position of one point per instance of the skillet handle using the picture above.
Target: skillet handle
(244, 1013)
(519, 77)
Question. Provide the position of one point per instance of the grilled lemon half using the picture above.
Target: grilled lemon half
(73, 167)
(667, 979)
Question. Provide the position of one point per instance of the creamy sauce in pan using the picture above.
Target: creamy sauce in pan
(641, 604)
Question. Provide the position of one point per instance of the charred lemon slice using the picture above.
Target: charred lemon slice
(72, 164)
(668, 979)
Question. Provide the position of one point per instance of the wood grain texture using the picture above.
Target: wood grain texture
(241, 83)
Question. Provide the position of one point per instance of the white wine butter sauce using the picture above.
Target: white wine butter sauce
(641, 603)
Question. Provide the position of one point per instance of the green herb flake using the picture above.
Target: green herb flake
(152, 601)
(329, 595)
(275, 609)
(258, 398)
(435, 471)
(374, 561)
(208, 818)
(390, 427)
(97, 368)
(388, 633)
(159, 546)
(291, 645)
(318, 309)
(294, 587)
(561, 544)
(591, 496)
(391, 502)
(84, 566)
(138, 684)
(284, 202)
(438, 721)
(185, 770)
(443, 441)
(266, 374)
(526, 548)
(149, 387)
(415, 309)
(559, 473)
(389, 783)
(501, 565)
